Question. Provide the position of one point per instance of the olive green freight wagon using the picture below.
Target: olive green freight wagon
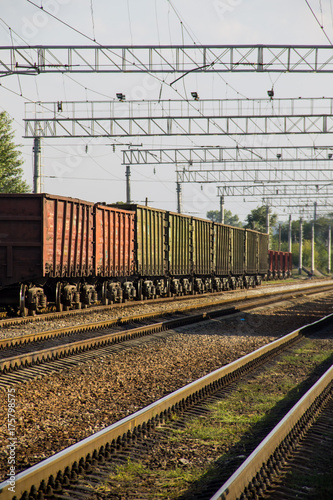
(252, 253)
(169, 244)
(180, 244)
(256, 253)
(237, 267)
(263, 241)
(150, 240)
(222, 249)
(203, 246)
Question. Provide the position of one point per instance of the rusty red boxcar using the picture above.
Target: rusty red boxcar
(43, 236)
(63, 250)
(114, 252)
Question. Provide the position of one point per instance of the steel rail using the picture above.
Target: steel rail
(254, 472)
(49, 316)
(100, 308)
(129, 427)
(122, 320)
(69, 349)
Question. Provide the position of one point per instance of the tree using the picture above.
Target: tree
(231, 220)
(257, 219)
(214, 215)
(321, 227)
(10, 160)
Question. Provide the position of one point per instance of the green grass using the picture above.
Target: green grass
(230, 424)
(158, 483)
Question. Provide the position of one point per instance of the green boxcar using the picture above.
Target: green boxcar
(203, 246)
(179, 244)
(252, 253)
(222, 249)
(263, 253)
(150, 240)
(238, 251)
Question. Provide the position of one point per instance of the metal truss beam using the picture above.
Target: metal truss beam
(181, 108)
(262, 175)
(278, 190)
(197, 155)
(166, 59)
(306, 212)
(301, 203)
(146, 127)
(178, 117)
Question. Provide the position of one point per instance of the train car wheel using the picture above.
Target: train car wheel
(22, 307)
(59, 305)
(105, 300)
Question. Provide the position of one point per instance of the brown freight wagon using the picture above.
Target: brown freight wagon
(251, 252)
(114, 252)
(42, 238)
(203, 248)
(63, 250)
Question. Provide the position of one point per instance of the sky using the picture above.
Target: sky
(91, 169)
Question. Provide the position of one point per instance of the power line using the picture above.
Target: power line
(92, 18)
(192, 38)
(63, 22)
(129, 21)
(68, 76)
(90, 37)
(316, 18)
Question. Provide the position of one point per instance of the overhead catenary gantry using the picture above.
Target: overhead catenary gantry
(218, 154)
(283, 194)
(303, 211)
(174, 59)
(303, 204)
(262, 174)
(114, 118)
(98, 58)
(179, 117)
(281, 191)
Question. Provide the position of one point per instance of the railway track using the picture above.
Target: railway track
(84, 342)
(58, 475)
(6, 322)
(306, 471)
(282, 451)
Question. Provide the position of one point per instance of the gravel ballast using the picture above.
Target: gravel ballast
(148, 307)
(59, 410)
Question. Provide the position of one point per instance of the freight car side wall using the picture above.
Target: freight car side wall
(180, 244)
(150, 241)
(237, 267)
(114, 242)
(252, 254)
(263, 240)
(222, 249)
(21, 236)
(68, 244)
(203, 246)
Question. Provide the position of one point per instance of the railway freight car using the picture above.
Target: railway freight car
(73, 253)
(279, 265)
(179, 254)
(62, 250)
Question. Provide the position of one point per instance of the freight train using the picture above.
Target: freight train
(73, 253)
